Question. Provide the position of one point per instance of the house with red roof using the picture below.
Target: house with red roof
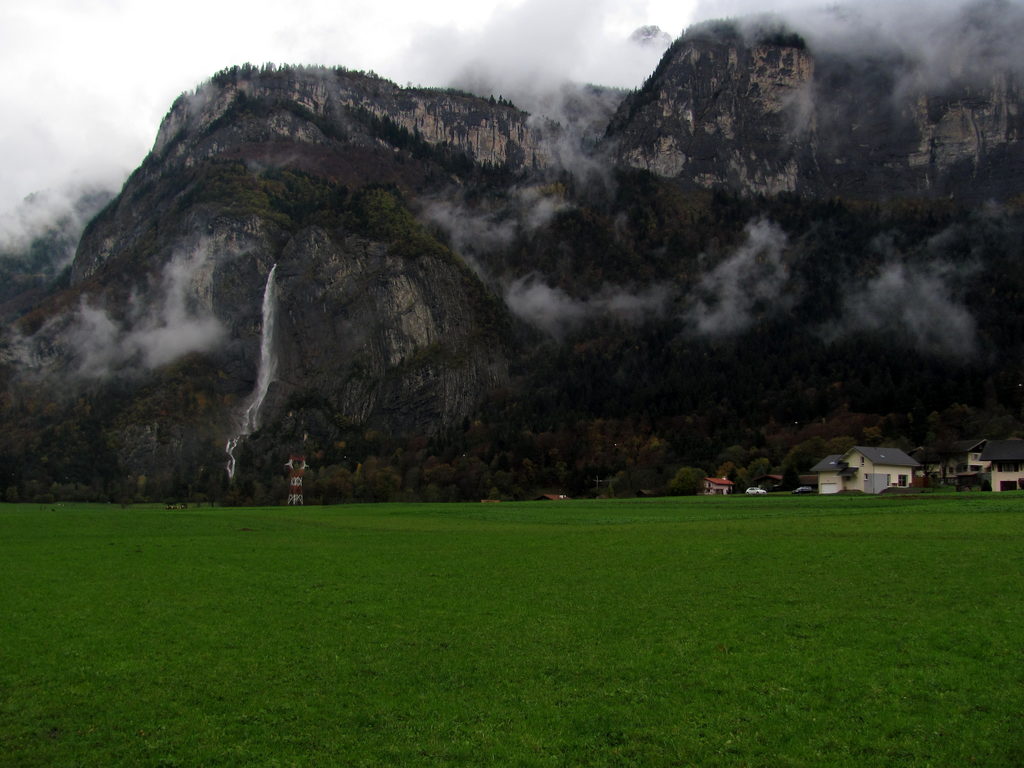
(717, 486)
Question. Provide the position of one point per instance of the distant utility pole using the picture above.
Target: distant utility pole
(598, 482)
(297, 468)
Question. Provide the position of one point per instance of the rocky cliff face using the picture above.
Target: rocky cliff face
(378, 323)
(397, 341)
(722, 113)
(349, 127)
(769, 115)
(488, 133)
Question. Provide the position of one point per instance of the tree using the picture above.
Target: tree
(687, 481)
(790, 478)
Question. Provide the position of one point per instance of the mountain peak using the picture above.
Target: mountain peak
(651, 36)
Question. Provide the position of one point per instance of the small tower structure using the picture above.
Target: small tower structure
(296, 469)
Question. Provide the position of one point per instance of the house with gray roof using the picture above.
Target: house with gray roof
(864, 468)
(962, 463)
(1006, 464)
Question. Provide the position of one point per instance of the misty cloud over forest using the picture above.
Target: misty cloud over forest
(555, 312)
(62, 212)
(747, 282)
(161, 326)
(912, 305)
(914, 302)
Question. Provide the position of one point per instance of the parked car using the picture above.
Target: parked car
(803, 489)
(755, 491)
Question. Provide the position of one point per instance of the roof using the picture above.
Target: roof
(966, 446)
(720, 480)
(927, 455)
(883, 455)
(829, 464)
(1003, 450)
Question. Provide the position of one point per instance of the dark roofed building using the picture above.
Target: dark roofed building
(962, 460)
(1006, 464)
(828, 464)
(769, 482)
(865, 468)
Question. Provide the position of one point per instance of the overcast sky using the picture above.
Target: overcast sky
(86, 82)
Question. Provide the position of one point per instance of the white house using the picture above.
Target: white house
(1006, 464)
(867, 469)
(962, 463)
(717, 486)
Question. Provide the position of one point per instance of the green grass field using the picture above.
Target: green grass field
(765, 631)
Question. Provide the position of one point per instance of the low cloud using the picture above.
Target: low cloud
(539, 55)
(557, 313)
(929, 43)
(60, 214)
(914, 304)
(475, 232)
(172, 321)
(471, 231)
(748, 282)
(478, 235)
(534, 47)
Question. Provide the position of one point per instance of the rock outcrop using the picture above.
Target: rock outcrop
(378, 322)
(402, 344)
(487, 132)
(350, 127)
(764, 115)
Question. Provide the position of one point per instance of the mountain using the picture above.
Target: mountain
(437, 295)
(756, 110)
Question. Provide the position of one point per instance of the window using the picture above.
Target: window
(901, 481)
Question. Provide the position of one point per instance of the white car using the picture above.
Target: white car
(755, 491)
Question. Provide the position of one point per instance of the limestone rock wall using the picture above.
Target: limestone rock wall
(498, 134)
(768, 118)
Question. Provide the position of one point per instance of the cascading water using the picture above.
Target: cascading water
(249, 420)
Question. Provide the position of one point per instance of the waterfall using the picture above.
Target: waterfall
(249, 420)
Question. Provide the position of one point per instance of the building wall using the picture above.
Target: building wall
(711, 489)
(1009, 472)
(828, 479)
(964, 463)
(866, 468)
(887, 476)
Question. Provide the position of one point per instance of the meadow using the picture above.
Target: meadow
(763, 631)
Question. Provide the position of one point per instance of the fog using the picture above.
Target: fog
(162, 324)
(936, 41)
(557, 313)
(913, 301)
(56, 212)
(748, 281)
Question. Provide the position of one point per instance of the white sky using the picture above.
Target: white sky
(85, 83)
